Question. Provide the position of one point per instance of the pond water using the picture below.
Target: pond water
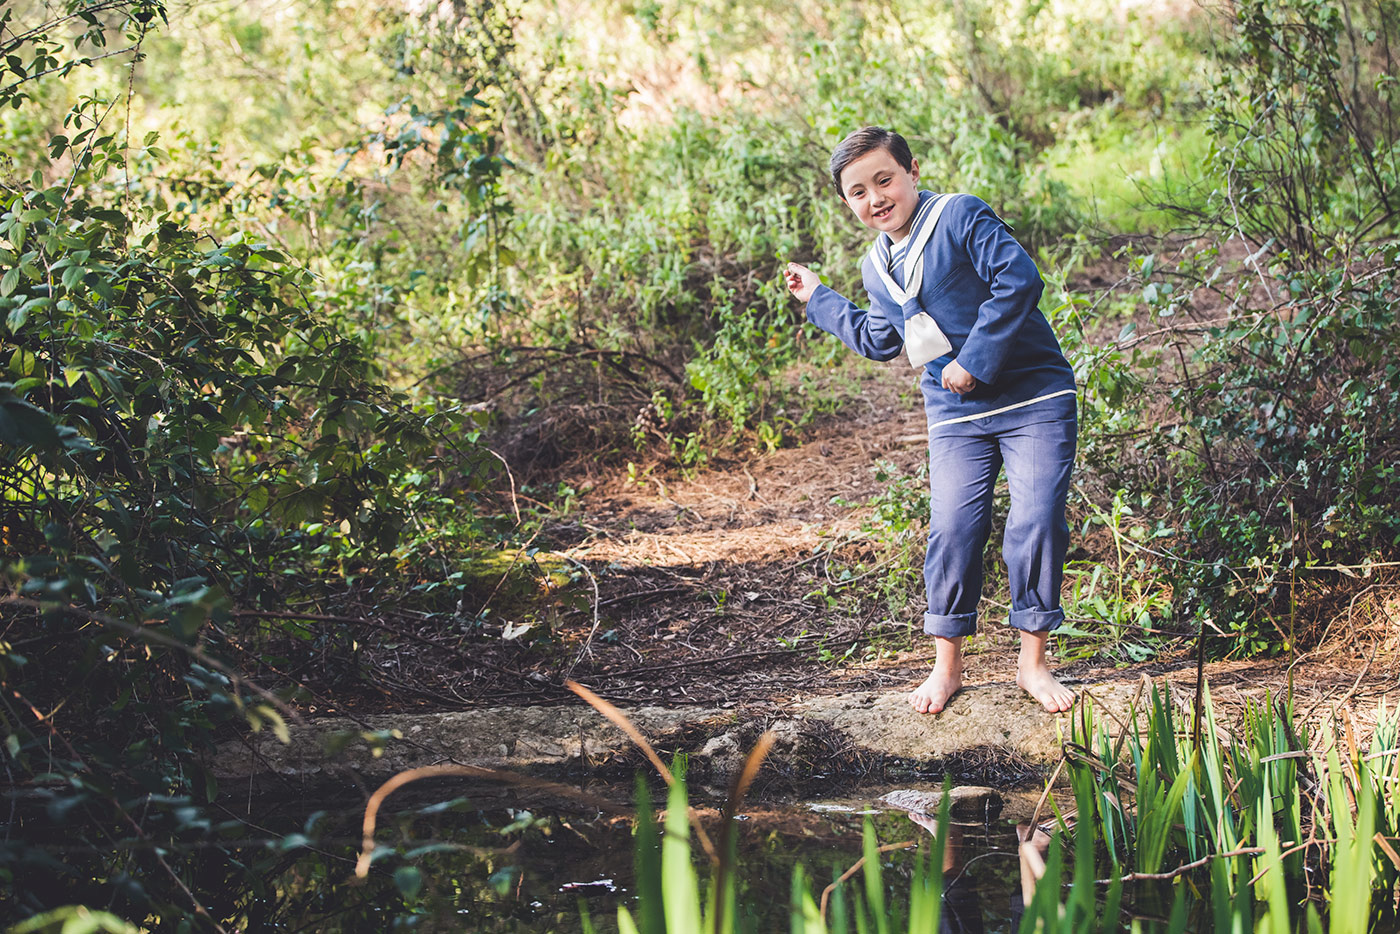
(482, 862)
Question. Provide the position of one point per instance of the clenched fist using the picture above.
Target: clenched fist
(801, 281)
(957, 380)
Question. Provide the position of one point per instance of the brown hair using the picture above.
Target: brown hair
(868, 139)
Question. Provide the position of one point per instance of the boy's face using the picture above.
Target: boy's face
(881, 192)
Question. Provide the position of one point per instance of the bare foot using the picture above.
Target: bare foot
(933, 695)
(1034, 677)
(1038, 682)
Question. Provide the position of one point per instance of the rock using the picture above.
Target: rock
(968, 801)
(820, 740)
(992, 715)
(723, 756)
(539, 740)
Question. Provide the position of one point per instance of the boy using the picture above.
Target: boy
(951, 287)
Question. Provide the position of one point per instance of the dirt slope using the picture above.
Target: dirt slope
(719, 591)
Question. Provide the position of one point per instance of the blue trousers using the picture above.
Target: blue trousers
(1036, 445)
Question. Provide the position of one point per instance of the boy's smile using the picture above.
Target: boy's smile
(882, 193)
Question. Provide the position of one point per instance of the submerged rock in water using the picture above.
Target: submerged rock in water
(968, 801)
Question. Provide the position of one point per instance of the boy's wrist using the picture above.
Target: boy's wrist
(971, 365)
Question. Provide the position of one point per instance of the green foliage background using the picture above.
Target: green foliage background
(286, 289)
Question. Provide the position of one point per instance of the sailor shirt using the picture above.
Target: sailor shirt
(982, 289)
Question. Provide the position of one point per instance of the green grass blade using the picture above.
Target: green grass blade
(1108, 918)
(680, 884)
(1180, 917)
(803, 916)
(1272, 886)
(926, 896)
(922, 898)
(1349, 883)
(1042, 915)
(862, 914)
(1220, 901)
(874, 885)
(1080, 905)
(1158, 824)
(837, 911)
(646, 863)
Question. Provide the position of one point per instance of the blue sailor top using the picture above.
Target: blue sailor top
(982, 290)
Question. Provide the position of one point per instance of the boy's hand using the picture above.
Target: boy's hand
(958, 380)
(801, 281)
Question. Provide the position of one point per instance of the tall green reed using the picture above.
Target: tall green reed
(1257, 828)
(1259, 821)
(672, 897)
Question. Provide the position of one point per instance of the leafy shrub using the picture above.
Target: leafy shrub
(1300, 407)
(186, 431)
(643, 231)
(1303, 122)
(1256, 414)
(1286, 417)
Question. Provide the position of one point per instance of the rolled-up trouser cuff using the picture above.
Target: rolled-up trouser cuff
(950, 627)
(1035, 620)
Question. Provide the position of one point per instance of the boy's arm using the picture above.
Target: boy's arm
(864, 330)
(1016, 286)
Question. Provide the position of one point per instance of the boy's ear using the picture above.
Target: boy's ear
(914, 168)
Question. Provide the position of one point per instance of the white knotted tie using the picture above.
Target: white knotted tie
(924, 341)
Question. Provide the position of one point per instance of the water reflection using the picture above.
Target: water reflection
(474, 865)
(964, 890)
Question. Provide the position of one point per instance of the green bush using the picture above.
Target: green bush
(1300, 409)
(1260, 432)
(1303, 125)
(188, 428)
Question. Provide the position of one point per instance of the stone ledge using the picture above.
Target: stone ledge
(813, 735)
